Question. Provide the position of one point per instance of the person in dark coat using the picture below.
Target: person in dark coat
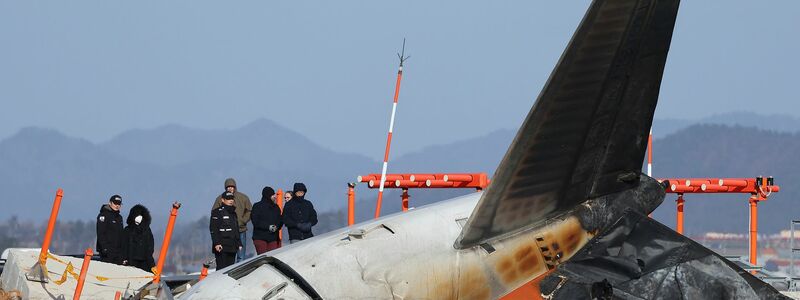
(267, 221)
(224, 229)
(109, 231)
(243, 210)
(137, 239)
(299, 215)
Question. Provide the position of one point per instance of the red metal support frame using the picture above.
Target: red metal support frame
(759, 188)
(679, 215)
(405, 199)
(477, 181)
(351, 203)
(753, 230)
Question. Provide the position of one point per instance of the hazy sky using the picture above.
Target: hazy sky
(93, 69)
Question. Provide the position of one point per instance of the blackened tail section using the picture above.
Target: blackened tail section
(639, 258)
(586, 134)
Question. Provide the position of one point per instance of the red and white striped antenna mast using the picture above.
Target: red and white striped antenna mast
(402, 58)
(650, 153)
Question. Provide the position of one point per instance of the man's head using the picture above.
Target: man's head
(227, 199)
(230, 185)
(300, 190)
(287, 196)
(268, 193)
(115, 202)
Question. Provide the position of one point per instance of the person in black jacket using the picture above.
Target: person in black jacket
(299, 215)
(224, 229)
(109, 231)
(267, 221)
(137, 239)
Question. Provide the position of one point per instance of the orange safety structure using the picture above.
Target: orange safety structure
(279, 199)
(38, 272)
(204, 272)
(351, 203)
(117, 295)
(478, 181)
(759, 188)
(162, 255)
(51, 224)
(87, 257)
(404, 198)
(679, 215)
(753, 230)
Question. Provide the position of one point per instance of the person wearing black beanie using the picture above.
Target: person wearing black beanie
(299, 215)
(267, 221)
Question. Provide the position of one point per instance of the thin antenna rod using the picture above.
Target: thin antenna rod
(402, 58)
(650, 153)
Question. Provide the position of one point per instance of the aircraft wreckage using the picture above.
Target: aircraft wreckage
(565, 215)
(566, 209)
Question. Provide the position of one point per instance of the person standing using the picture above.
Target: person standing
(109, 231)
(299, 215)
(137, 239)
(224, 228)
(267, 221)
(243, 210)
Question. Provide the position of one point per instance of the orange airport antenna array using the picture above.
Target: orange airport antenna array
(759, 188)
(477, 181)
(403, 58)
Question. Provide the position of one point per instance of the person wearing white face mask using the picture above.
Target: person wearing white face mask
(137, 239)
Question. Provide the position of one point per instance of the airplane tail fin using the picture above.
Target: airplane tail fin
(586, 133)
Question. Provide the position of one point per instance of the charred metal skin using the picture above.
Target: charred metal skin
(599, 213)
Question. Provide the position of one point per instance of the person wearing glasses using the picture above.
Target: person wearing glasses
(109, 231)
(267, 221)
(287, 197)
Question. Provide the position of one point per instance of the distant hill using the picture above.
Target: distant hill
(172, 163)
(725, 151)
(774, 122)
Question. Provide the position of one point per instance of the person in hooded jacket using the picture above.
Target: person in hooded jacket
(109, 231)
(267, 221)
(224, 227)
(299, 215)
(137, 239)
(243, 210)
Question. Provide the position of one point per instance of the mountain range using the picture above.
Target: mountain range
(174, 163)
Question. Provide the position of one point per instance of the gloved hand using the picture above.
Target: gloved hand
(273, 228)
